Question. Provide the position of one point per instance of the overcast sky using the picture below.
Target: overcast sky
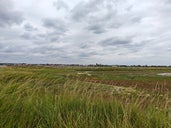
(86, 31)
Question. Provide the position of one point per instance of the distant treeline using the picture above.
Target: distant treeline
(79, 65)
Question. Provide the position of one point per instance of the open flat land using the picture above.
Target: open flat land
(71, 97)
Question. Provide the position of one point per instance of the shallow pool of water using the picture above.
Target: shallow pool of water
(164, 74)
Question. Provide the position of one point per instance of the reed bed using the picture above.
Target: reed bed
(26, 102)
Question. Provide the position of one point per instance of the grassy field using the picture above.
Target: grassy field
(44, 97)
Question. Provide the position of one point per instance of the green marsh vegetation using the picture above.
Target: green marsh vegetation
(41, 97)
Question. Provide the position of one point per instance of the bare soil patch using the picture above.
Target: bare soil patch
(161, 86)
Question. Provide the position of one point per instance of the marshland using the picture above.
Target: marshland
(84, 97)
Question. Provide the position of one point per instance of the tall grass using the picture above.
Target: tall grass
(26, 102)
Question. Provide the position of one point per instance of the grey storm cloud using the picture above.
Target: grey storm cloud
(28, 36)
(96, 29)
(12, 49)
(87, 9)
(29, 27)
(115, 42)
(60, 4)
(44, 50)
(122, 46)
(85, 31)
(85, 45)
(58, 26)
(8, 15)
(100, 15)
(87, 54)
